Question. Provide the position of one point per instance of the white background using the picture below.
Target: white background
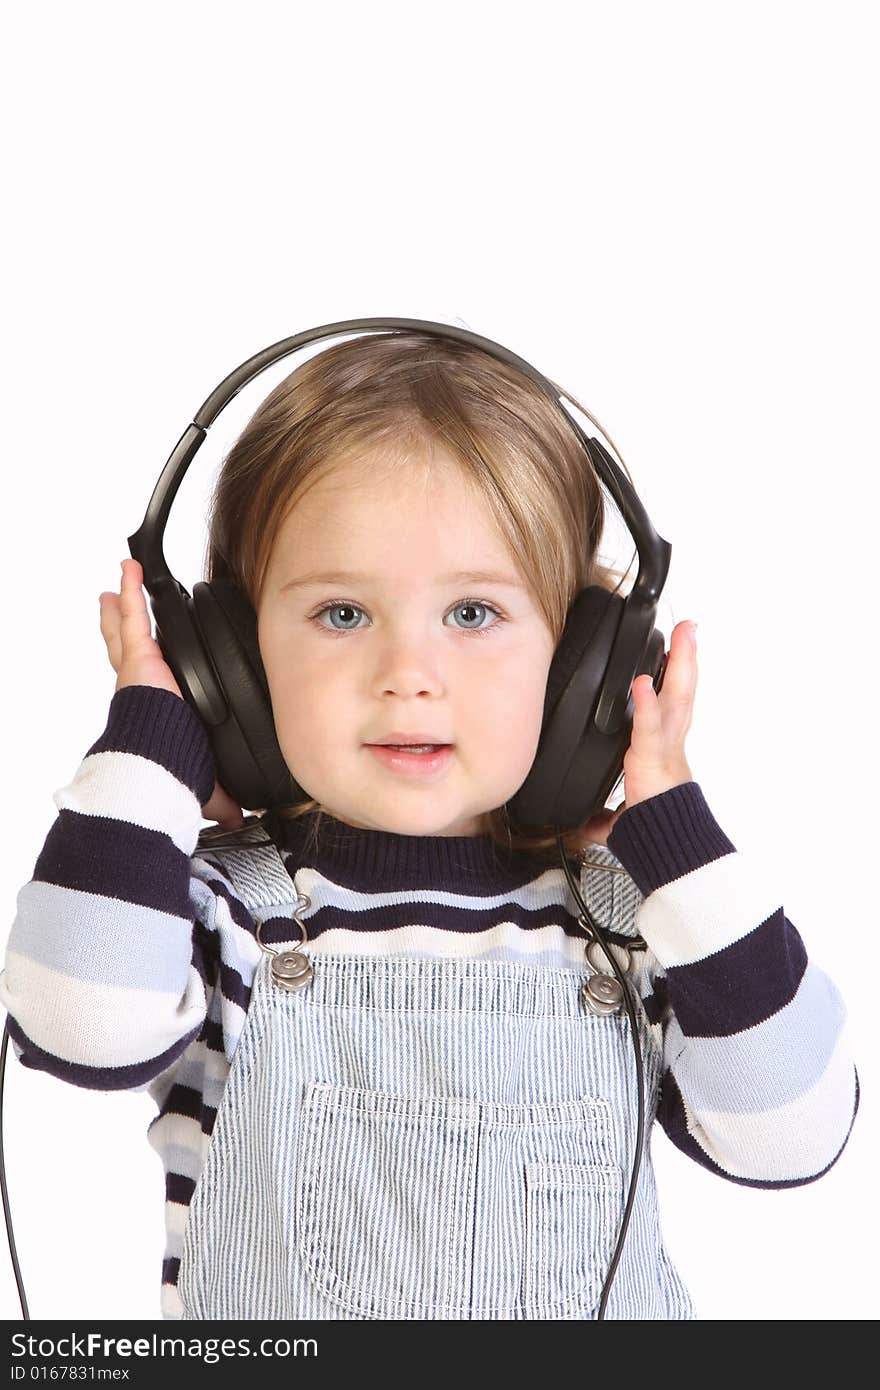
(668, 209)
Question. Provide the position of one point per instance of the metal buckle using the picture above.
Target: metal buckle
(602, 993)
(291, 970)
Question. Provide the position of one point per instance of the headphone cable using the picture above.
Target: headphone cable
(6, 1212)
(587, 922)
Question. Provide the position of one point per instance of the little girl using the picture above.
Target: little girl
(432, 1125)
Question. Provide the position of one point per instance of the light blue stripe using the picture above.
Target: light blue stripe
(101, 939)
(184, 1161)
(719, 1073)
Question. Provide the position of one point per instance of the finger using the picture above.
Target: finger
(222, 808)
(682, 662)
(686, 637)
(676, 695)
(647, 715)
(135, 630)
(110, 620)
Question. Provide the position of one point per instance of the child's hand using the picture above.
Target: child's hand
(134, 653)
(655, 760)
(222, 809)
(137, 659)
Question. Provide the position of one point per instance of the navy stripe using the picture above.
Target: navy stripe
(190, 1104)
(657, 1003)
(446, 917)
(159, 725)
(233, 986)
(742, 985)
(666, 836)
(179, 1189)
(116, 859)
(183, 1100)
(213, 1034)
(205, 954)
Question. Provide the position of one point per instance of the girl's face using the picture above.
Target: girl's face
(397, 653)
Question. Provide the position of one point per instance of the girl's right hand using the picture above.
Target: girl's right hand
(137, 659)
(134, 653)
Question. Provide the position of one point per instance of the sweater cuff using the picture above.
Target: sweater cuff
(666, 836)
(162, 726)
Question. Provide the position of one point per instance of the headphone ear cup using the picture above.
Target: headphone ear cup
(576, 766)
(248, 759)
(230, 623)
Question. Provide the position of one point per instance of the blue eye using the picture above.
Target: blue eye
(352, 607)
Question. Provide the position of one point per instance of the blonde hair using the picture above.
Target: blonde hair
(406, 393)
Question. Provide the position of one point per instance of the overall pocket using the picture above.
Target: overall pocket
(384, 1200)
(573, 1215)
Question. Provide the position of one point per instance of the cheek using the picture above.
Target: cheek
(289, 696)
(504, 717)
(299, 700)
(312, 715)
(525, 709)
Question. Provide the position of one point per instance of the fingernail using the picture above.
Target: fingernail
(693, 632)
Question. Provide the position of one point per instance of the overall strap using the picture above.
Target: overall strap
(255, 868)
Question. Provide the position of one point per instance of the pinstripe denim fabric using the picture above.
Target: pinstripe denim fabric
(412, 1138)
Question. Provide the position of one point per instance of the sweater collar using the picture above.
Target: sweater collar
(387, 860)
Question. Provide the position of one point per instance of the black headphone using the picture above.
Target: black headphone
(209, 641)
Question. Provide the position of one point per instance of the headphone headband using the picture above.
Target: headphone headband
(653, 551)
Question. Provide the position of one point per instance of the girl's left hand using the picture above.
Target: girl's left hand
(655, 760)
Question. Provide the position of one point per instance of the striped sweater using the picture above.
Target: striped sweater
(131, 957)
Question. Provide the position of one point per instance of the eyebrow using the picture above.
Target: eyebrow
(360, 577)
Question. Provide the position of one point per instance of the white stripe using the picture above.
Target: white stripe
(93, 1024)
(708, 909)
(171, 1305)
(181, 1141)
(793, 1141)
(506, 940)
(175, 1221)
(137, 790)
(547, 890)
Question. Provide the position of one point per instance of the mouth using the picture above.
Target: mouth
(409, 758)
(411, 747)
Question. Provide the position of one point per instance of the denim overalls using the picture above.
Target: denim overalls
(411, 1137)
